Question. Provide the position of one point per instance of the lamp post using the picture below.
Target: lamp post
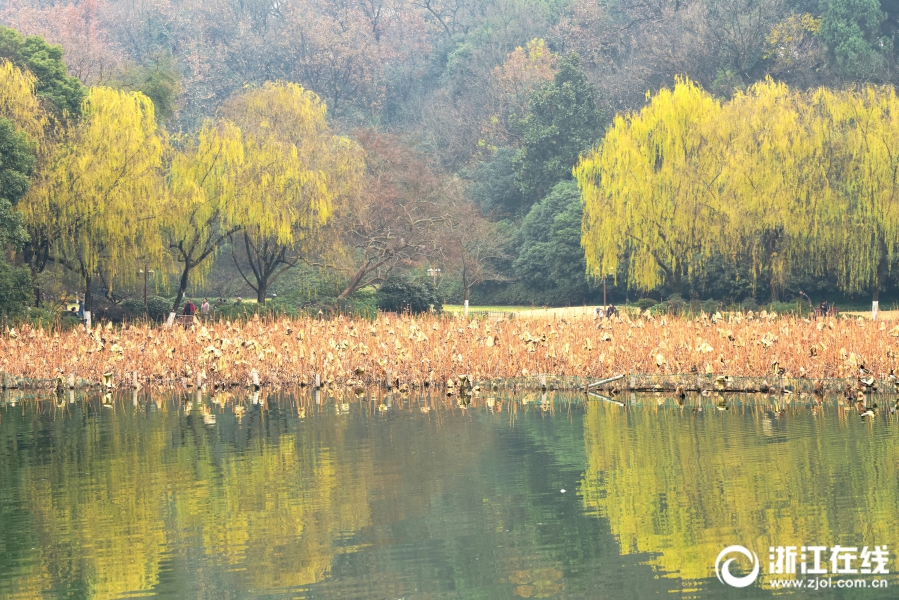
(604, 304)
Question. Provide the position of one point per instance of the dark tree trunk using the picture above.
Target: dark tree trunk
(88, 297)
(36, 256)
(182, 286)
(353, 285)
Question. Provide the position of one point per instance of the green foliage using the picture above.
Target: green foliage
(493, 186)
(134, 307)
(247, 310)
(710, 306)
(406, 295)
(851, 31)
(363, 303)
(159, 81)
(564, 120)
(644, 303)
(788, 307)
(15, 286)
(749, 304)
(17, 162)
(64, 92)
(550, 257)
(158, 308)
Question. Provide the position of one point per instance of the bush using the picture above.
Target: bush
(710, 307)
(134, 308)
(69, 320)
(404, 295)
(749, 304)
(784, 307)
(158, 308)
(644, 303)
(247, 310)
(111, 312)
(15, 288)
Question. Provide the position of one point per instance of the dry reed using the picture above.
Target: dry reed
(429, 350)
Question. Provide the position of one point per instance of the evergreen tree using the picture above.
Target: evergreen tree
(54, 84)
(551, 260)
(564, 120)
(851, 31)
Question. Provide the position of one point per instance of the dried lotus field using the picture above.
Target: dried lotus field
(429, 350)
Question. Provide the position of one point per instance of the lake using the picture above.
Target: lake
(384, 496)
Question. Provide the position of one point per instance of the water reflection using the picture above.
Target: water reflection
(345, 494)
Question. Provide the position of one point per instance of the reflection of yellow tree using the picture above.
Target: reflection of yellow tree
(107, 508)
(683, 490)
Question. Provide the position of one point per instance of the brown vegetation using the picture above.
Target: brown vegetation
(419, 351)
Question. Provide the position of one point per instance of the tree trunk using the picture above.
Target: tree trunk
(36, 257)
(353, 285)
(677, 282)
(262, 284)
(182, 287)
(88, 298)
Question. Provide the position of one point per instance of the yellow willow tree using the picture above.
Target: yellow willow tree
(96, 202)
(859, 227)
(23, 124)
(19, 103)
(651, 190)
(295, 170)
(773, 182)
(203, 175)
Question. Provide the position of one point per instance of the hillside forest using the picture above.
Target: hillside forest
(406, 153)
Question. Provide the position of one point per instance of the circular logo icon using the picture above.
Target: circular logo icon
(723, 570)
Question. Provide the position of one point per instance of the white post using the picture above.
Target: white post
(466, 308)
(875, 308)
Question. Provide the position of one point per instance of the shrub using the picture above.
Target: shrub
(112, 312)
(158, 308)
(710, 306)
(246, 310)
(134, 308)
(784, 307)
(749, 304)
(644, 303)
(404, 295)
(69, 320)
(15, 286)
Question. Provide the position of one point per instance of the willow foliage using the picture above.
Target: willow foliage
(203, 185)
(651, 188)
(99, 197)
(787, 180)
(295, 168)
(18, 101)
(269, 167)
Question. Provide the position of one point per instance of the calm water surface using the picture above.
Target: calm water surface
(525, 497)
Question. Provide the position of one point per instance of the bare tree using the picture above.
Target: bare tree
(396, 220)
